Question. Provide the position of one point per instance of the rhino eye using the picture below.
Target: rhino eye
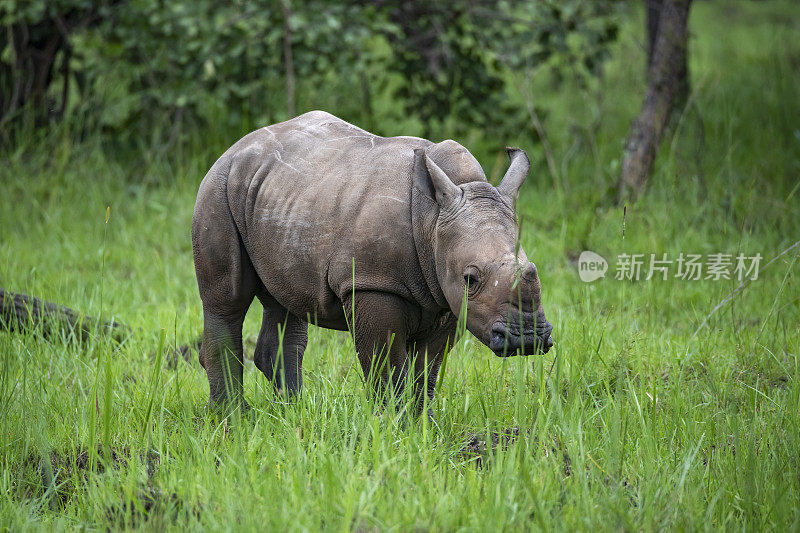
(470, 281)
(471, 278)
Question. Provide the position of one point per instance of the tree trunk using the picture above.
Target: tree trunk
(654, 8)
(34, 50)
(667, 91)
(34, 47)
(653, 18)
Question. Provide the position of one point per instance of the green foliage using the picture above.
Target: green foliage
(569, 38)
(147, 66)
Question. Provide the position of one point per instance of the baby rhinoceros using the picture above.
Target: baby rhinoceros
(326, 223)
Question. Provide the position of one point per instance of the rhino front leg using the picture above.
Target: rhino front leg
(380, 323)
(429, 353)
(281, 329)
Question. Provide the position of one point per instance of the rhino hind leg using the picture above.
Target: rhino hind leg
(228, 284)
(221, 357)
(280, 347)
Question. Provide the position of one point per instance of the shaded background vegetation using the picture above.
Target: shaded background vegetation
(160, 72)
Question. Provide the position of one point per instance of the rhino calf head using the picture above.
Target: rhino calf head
(476, 255)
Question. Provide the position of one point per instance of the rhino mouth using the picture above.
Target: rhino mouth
(506, 340)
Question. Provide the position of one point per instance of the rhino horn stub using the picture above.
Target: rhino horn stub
(516, 173)
(529, 272)
(445, 190)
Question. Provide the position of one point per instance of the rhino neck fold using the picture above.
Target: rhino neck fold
(424, 212)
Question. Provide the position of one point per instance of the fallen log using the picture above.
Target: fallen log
(20, 312)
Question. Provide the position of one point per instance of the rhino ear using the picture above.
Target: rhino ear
(433, 181)
(512, 181)
(422, 180)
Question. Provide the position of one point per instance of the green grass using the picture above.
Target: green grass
(628, 423)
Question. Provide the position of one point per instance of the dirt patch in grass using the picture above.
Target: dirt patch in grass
(479, 448)
(60, 475)
(116, 459)
(478, 445)
(63, 475)
(148, 501)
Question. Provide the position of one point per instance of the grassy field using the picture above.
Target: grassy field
(631, 422)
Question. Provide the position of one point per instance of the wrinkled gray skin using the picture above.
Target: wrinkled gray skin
(288, 212)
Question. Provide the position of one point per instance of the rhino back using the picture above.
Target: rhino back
(314, 196)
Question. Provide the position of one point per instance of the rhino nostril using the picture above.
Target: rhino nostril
(499, 338)
(499, 329)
